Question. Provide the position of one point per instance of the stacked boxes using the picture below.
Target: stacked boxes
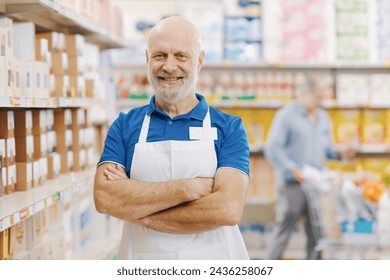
(8, 151)
(75, 47)
(62, 127)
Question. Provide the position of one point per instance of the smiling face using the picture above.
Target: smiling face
(174, 59)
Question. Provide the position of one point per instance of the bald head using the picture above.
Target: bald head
(176, 28)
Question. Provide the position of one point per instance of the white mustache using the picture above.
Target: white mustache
(165, 74)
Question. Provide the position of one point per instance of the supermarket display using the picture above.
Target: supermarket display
(59, 85)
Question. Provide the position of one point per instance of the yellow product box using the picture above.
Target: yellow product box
(350, 166)
(18, 237)
(345, 126)
(373, 127)
(379, 166)
(4, 241)
(388, 127)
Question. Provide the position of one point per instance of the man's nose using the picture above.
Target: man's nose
(170, 64)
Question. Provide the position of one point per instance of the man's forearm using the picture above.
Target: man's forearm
(131, 199)
(221, 208)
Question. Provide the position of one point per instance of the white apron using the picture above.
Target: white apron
(171, 160)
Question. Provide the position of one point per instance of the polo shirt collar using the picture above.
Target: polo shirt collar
(199, 112)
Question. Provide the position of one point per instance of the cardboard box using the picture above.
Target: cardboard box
(62, 119)
(39, 122)
(45, 80)
(24, 172)
(2, 148)
(10, 149)
(10, 77)
(55, 40)
(69, 138)
(76, 65)
(3, 41)
(24, 148)
(17, 78)
(40, 146)
(59, 64)
(70, 160)
(4, 245)
(24, 40)
(54, 165)
(89, 88)
(57, 88)
(43, 164)
(42, 49)
(7, 124)
(78, 115)
(11, 179)
(75, 44)
(23, 123)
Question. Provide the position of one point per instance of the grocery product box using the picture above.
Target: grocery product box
(373, 129)
(346, 126)
(51, 141)
(39, 122)
(45, 76)
(7, 23)
(24, 172)
(18, 237)
(3, 75)
(56, 40)
(24, 148)
(4, 239)
(379, 90)
(89, 88)
(3, 41)
(62, 119)
(4, 182)
(50, 119)
(43, 165)
(27, 78)
(24, 40)
(36, 173)
(57, 87)
(53, 165)
(10, 149)
(7, 124)
(76, 86)
(75, 44)
(78, 115)
(59, 64)
(23, 123)
(2, 148)
(10, 77)
(70, 160)
(11, 179)
(76, 65)
(42, 49)
(40, 145)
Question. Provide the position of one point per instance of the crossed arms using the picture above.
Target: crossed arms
(180, 206)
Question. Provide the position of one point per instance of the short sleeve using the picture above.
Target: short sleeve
(114, 148)
(234, 149)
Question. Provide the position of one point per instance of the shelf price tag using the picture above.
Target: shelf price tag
(12, 219)
(5, 223)
(24, 214)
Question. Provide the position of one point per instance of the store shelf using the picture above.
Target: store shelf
(48, 15)
(52, 102)
(19, 206)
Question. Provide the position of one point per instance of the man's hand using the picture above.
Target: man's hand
(348, 153)
(115, 173)
(298, 175)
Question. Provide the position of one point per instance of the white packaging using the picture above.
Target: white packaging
(24, 40)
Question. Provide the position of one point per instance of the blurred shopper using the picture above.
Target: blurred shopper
(300, 135)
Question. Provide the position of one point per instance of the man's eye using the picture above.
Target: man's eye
(158, 56)
(182, 56)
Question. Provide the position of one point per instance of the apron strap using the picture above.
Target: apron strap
(145, 126)
(144, 130)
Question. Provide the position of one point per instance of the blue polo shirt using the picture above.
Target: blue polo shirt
(231, 147)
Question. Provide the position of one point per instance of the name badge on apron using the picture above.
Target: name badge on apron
(203, 133)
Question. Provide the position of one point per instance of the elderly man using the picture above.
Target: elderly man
(176, 170)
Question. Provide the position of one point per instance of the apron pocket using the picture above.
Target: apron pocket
(155, 256)
(217, 251)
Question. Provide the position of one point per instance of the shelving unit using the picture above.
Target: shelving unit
(19, 206)
(52, 102)
(51, 16)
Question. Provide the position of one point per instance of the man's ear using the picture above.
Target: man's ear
(201, 59)
(146, 56)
